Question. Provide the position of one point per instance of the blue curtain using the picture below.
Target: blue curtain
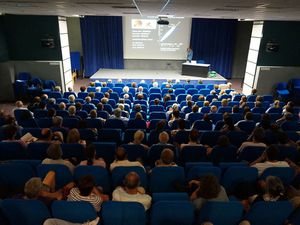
(213, 41)
(102, 43)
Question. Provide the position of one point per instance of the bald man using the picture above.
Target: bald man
(132, 192)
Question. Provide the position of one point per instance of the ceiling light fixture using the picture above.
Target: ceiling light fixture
(165, 5)
(137, 7)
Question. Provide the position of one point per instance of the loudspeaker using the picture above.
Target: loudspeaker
(48, 43)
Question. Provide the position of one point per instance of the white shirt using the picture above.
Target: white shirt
(119, 194)
(261, 167)
(125, 162)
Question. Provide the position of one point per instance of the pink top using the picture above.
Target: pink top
(96, 162)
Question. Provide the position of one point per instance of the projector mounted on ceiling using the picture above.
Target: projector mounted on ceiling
(162, 21)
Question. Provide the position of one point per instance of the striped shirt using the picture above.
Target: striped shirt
(95, 200)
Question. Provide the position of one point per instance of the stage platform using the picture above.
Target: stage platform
(160, 76)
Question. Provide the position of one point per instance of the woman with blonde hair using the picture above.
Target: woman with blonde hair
(138, 139)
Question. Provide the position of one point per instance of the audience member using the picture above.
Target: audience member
(132, 191)
(121, 160)
(166, 158)
(91, 160)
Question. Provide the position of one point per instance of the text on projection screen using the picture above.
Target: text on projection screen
(145, 39)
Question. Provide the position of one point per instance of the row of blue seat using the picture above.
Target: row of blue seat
(163, 212)
(160, 179)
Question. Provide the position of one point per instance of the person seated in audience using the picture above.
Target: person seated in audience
(82, 89)
(258, 107)
(259, 98)
(248, 117)
(87, 191)
(284, 140)
(121, 160)
(62, 106)
(51, 113)
(213, 109)
(54, 154)
(88, 100)
(51, 103)
(254, 91)
(138, 139)
(57, 88)
(118, 115)
(46, 135)
(34, 104)
(265, 122)
(188, 107)
(174, 107)
(72, 112)
(268, 159)
(166, 158)
(201, 98)
(224, 102)
(155, 84)
(257, 136)
(92, 95)
(124, 113)
(91, 160)
(19, 105)
(132, 191)
(140, 90)
(275, 105)
(287, 116)
(243, 101)
(163, 139)
(195, 109)
(42, 190)
(103, 84)
(156, 101)
(193, 139)
(73, 137)
(134, 85)
(93, 115)
(98, 89)
(10, 132)
(175, 116)
(228, 124)
(107, 94)
(205, 104)
(104, 100)
(289, 107)
(57, 125)
(44, 98)
(207, 188)
(100, 108)
(166, 98)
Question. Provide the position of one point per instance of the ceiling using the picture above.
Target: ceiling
(236, 9)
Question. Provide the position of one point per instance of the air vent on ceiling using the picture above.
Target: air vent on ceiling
(239, 6)
(123, 7)
(131, 13)
(226, 10)
(98, 3)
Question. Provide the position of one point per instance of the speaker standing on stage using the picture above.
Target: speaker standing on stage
(189, 56)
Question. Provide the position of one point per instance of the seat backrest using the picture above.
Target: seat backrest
(221, 213)
(169, 196)
(73, 211)
(75, 150)
(26, 212)
(272, 213)
(193, 154)
(13, 176)
(236, 175)
(106, 150)
(164, 179)
(12, 150)
(63, 175)
(120, 213)
(202, 125)
(155, 151)
(157, 115)
(119, 173)
(135, 152)
(99, 173)
(199, 171)
(210, 137)
(37, 150)
(286, 174)
(172, 212)
(114, 123)
(223, 154)
(251, 153)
